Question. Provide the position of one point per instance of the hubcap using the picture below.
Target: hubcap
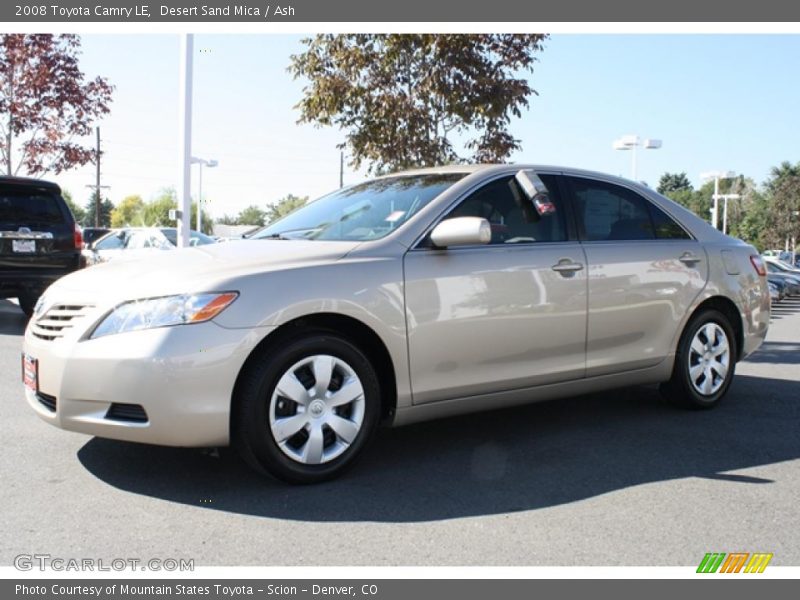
(317, 409)
(709, 359)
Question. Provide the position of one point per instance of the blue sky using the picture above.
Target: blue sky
(717, 101)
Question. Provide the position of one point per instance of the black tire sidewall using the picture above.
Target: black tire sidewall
(681, 382)
(254, 431)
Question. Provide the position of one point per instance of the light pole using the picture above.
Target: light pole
(210, 163)
(716, 176)
(631, 142)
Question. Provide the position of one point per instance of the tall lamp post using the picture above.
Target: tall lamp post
(631, 142)
(716, 176)
(210, 163)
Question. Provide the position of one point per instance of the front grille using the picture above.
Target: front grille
(49, 402)
(126, 412)
(58, 320)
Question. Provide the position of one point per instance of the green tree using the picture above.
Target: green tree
(89, 218)
(754, 225)
(783, 189)
(694, 200)
(402, 98)
(128, 212)
(284, 206)
(206, 222)
(252, 215)
(673, 182)
(227, 220)
(156, 212)
(77, 211)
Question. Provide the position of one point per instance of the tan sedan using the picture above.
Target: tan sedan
(409, 297)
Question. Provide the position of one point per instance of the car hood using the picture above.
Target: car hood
(204, 268)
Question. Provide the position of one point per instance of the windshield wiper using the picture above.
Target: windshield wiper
(275, 236)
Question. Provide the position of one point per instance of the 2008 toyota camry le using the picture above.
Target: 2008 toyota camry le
(412, 296)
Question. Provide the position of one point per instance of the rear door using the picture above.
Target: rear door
(645, 271)
(37, 231)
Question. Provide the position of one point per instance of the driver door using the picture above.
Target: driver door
(507, 315)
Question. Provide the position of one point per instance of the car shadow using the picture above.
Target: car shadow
(12, 319)
(527, 458)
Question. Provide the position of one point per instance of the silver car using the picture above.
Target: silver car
(409, 297)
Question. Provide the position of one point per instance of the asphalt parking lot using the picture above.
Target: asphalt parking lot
(608, 479)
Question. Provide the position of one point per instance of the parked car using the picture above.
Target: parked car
(775, 293)
(136, 242)
(409, 297)
(791, 280)
(780, 283)
(39, 240)
(782, 266)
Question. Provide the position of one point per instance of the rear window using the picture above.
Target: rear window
(29, 208)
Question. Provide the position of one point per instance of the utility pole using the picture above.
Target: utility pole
(185, 138)
(341, 169)
(97, 187)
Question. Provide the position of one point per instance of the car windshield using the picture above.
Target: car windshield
(367, 211)
(195, 237)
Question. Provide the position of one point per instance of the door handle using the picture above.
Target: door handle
(567, 267)
(688, 258)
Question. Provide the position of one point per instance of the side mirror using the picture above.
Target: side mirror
(461, 231)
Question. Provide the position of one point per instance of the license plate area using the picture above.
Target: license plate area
(30, 372)
(23, 246)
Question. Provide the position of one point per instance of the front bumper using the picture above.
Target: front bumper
(183, 377)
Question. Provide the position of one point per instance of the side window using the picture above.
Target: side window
(665, 226)
(511, 214)
(611, 212)
(112, 242)
(138, 241)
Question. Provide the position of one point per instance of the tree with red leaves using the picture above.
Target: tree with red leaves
(46, 106)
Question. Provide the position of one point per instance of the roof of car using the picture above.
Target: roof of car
(28, 181)
(475, 168)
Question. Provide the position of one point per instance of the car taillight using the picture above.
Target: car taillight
(758, 265)
(78, 238)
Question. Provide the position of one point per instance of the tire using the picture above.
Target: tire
(288, 425)
(27, 302)
(703, 368)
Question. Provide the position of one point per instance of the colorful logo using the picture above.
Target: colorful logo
(735, 562)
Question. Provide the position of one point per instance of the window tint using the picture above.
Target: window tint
(29, 208)
(665, 226)
(512, 216)
(611, 212)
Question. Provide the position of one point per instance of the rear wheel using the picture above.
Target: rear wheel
(307, 409)
(705, 362)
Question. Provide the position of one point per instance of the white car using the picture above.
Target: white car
(135, 242)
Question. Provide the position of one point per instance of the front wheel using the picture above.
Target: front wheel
(307, 410)
(704, 363)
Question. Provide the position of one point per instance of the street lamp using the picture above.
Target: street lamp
(631, 142)
(716, 176)
(210, 163)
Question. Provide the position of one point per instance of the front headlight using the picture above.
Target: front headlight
(163, 312)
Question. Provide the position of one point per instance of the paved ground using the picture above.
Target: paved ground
(609, 479)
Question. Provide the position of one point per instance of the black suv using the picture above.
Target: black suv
(39, 240)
